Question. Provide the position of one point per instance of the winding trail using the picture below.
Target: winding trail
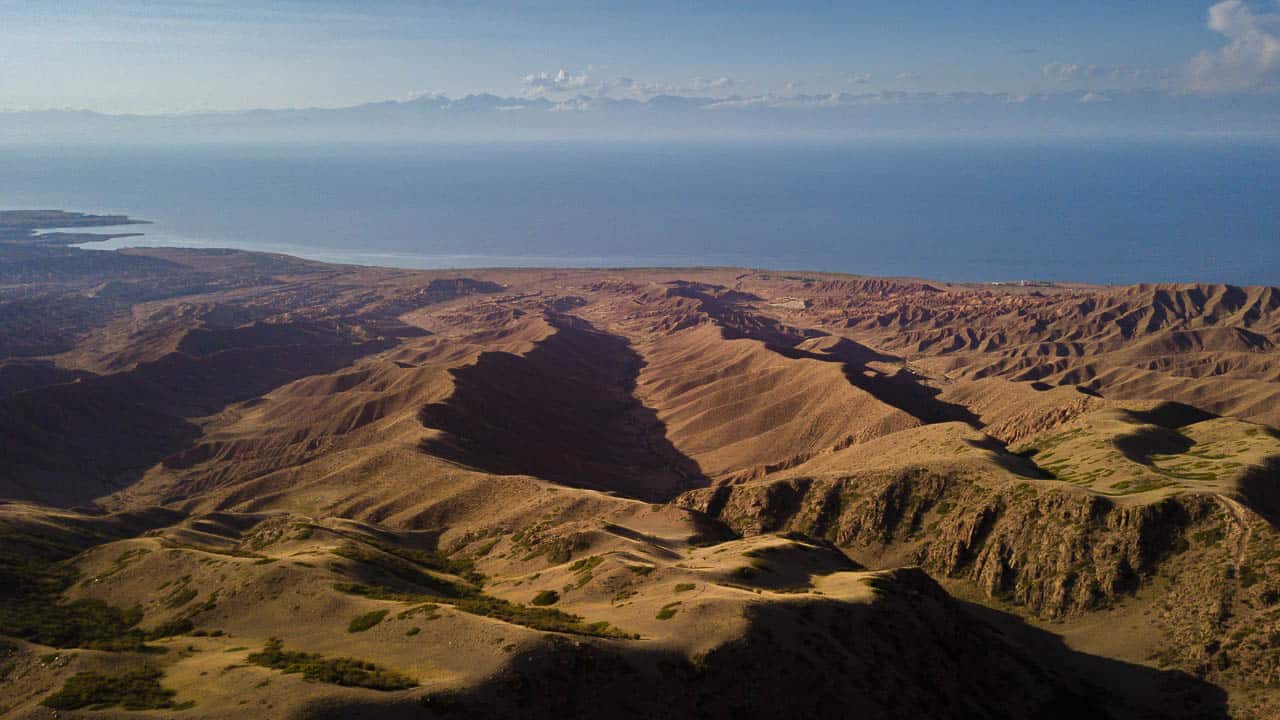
(1238, 515)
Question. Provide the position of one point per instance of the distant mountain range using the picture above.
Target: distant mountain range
(486, 116)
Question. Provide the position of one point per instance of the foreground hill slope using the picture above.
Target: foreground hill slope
(326, 491)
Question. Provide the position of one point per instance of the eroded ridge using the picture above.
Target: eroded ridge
(338, 490)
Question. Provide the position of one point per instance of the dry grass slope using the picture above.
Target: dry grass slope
(316, 491)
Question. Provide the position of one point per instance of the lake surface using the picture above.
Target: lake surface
(1094, 211)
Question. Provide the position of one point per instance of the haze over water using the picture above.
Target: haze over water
(1109, 211)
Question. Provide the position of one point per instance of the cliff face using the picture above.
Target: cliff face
(1052, 550)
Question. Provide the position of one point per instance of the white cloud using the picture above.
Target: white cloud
(908, 77)
(699, 84)
(858, 78)
(1092, 98)
(1251, 58)
(1074, 73)
(424, 96)
(771, 100)
(842, 100)
(630, 88)
(561, 82)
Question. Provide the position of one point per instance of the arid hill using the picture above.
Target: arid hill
(247, 483)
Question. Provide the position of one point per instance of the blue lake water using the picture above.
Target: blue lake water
(1095, 211)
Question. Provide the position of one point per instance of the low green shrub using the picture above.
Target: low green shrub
(586, 564)
(546, 597)
(344, 671)
(397, 566)
(360, 623)
(430, 559)
(180, 597)
(1210, 537)
(87, 623)
(134, 690)
(538, 618)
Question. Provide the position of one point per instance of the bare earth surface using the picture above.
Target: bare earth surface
(239, 483)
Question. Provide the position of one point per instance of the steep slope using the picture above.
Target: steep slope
(736, 407)
(1206, 345)
(537, 491)
(693, 633)
(564, 411)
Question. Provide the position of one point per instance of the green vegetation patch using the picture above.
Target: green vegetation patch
(537, 618)
(1141, 483)
(684, 587)
(586, 564)
(434, 560)
(1184, 470)
(87, 623)
(124, 560)
(669, 610)
(1210, 537)
(429, 611)
(485, 548)
(360, 623)
(1250, 576)
(582, 571)
(408, 566)
(134, 690)
(1044, 445)
(557, 551)
(181, 597)
(377, 592)
(546, 597)
(32, 608)
(344, 671)
(399, 567)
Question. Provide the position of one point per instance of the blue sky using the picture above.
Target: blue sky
(125, 56)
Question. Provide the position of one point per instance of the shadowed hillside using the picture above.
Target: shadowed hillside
(328, 491)
(564, 411)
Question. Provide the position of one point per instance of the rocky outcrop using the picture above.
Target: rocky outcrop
(1055, 551)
